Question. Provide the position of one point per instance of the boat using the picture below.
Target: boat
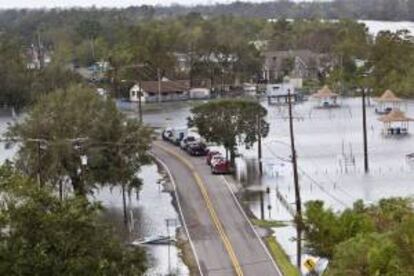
(154, 240)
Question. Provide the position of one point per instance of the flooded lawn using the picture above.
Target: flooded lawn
(322, 137)
(148, 212)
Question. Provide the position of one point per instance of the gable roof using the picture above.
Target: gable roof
(166, 86)
(388, 96)
(325, 92)
(395, 115)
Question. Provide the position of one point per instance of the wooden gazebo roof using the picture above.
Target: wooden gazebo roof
(395, 115)
(388, 97)
(325, 92)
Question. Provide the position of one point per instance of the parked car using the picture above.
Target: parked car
(216, 158)
(221, 166)
(167, 134)
(196, 149)
(186, 141)
(210, 155)
(174, 135)
(178, 135)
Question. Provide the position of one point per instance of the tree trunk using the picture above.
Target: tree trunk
(77, 185)
(232, 156)
(124, 205)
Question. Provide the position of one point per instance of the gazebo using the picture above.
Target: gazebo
(387, 102)
(326, 98)
(395, 123)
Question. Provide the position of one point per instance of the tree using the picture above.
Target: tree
(324, 229)
(390, 59)
(363, 240)
(90, 29)
(15, 78)
(230, 123)
(41, 235)
(68, 124)
(371, 254)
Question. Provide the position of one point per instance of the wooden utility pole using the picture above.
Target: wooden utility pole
(159, 84)
(295, 177)
(140, 101)
(364, 130)
(39, 166)
(259, 144)
(40, 51)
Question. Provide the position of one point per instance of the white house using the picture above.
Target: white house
(134, 94)
(200, 93)
(250, 89)
(164, 91)
(278, 93)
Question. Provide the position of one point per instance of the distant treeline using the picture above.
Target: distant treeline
(394, 10)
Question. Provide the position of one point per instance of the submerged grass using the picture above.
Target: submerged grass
(280, 257)
(268, 223)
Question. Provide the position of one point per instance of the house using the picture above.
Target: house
(301, 64)
(278, 93)
(200, 93)
(163, 91)
(37, 57)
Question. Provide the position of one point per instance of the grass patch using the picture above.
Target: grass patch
(280, 257)
(268, 223)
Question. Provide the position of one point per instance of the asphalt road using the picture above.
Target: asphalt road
(224, 240)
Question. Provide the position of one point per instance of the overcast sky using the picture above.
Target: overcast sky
(5, 4)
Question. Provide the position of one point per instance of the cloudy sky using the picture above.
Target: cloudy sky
(4, 4)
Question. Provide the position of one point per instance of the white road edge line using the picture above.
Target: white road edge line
(251, 225)
(170, 176)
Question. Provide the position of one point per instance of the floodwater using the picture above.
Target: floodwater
(374, 26)
(148, 211)
(324, 139)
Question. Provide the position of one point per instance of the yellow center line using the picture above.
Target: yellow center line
(217, 223)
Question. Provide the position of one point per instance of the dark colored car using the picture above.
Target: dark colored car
(196, 149)
(167, 135)
(186, 141)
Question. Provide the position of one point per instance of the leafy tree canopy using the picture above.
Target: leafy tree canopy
(363, 240)
(230, 122)
(68, 124)
(41, 235)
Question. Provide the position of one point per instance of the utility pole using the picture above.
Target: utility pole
(159, 84)
(295, 178)
(364, 129)
(39, 166)
(259, 143)
(40, 51)
(140, 101)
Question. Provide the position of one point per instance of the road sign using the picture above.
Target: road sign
(310, 264)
